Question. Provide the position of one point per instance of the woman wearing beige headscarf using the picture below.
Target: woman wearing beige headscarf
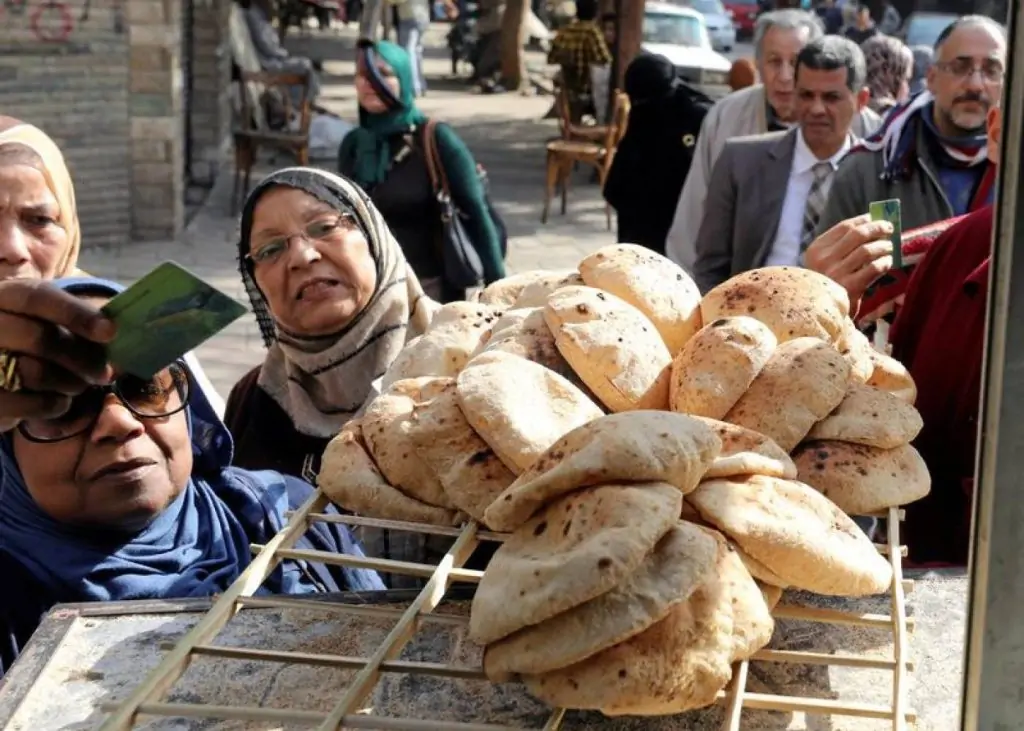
(890, 66)
(51, 343)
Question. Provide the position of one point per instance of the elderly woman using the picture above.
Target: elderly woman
(890, 67)
(56, 338)
(335, 301)
(130, 494)
(386, 156)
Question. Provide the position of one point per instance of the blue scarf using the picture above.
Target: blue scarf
(197, 547)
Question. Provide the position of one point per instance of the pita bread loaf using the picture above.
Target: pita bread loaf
(536, 293)
(718, 364)
(746, 452)
(635, 446)
(856, 348)
(612, 347)
(351, 480)
(504, 293)
(872, 417)
(678, 664)
(578, 547)
(758, 570)
(803, 381)
(520, 408)
(682, 561)
(793, 302)
(772, 594)
(469, 471)
(892, 376)
(385, 428)
(653, 284)
(796, 532)
(457, 331)
(863, 480)
(524, 332)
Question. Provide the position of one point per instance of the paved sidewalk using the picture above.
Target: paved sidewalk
(504, 131)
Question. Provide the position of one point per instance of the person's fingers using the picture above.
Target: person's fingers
(46, 342)
(860, 280)
(25, 405)
(43, 301)
(865, 254)
(42, 377)
(859, 235)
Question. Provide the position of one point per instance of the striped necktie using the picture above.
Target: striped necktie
(816, 199)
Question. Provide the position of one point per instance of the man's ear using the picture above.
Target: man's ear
(863, 97)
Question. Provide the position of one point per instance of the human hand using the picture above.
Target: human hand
(853, 253)
(58, 342)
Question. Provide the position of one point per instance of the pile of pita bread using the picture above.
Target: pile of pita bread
(663, 466)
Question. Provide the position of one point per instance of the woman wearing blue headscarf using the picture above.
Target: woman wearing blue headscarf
(131, 495)
(384, 155)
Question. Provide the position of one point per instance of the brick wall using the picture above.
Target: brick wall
(67, 72)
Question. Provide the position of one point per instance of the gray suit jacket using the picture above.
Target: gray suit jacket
(743, 206)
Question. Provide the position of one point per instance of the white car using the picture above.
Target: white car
(718, 20)
(681, 35)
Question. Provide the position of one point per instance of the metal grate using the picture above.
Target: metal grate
(147, 699)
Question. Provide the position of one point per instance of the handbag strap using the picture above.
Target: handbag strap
(438, 179)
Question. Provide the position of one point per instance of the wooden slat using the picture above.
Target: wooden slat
(899, 617)
(366, 610)
(386, 565)
(434, 530)
(735, 696)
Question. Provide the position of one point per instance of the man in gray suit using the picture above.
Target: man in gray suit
(767, 191)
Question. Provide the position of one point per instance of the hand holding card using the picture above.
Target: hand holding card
(891, 211)
(164, 315)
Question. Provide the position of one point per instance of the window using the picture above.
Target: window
(673, 30)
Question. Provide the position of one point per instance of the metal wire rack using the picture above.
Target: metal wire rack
(147, 700)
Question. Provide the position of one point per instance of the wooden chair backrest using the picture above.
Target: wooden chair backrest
(252, 113)
(619, 120)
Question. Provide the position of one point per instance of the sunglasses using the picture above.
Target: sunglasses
(163, 395)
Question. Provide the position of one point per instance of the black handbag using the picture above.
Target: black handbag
(461, 264)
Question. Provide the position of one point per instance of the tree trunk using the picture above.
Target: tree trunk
(513, 31)
(628, 38)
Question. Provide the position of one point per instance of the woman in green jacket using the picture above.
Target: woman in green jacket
(385, 156)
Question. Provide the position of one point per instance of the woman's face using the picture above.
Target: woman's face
(367, 95)
(122, 472)
(32, 242)
(312, 263)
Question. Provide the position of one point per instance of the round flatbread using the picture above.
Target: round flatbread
(504, 293)
(385, 429)
(577, 548)
(681, 561)
(793, 302)
(536, 293)
(351, 480)
(635, 446)
(520, 408)
(718, 365)
(653, 284)
(796, 532)
(856, 348)
(872, 417)
(676, 665)
(612, 347)
(892, 376)
(458, 330)
(803, 381)
(863, 480)
(747, 452)
(469, 471)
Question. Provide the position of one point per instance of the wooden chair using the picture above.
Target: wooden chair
(564, 154)
(568, 128)
(253, 130)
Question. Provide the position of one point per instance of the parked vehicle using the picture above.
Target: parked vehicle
(681, 35)
(744, 16)
(718, 20)
(922, 29)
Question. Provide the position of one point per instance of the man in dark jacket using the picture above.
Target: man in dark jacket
(652, 160)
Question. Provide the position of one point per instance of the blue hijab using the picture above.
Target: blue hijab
(196, 547)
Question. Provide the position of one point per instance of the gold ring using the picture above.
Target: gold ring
(10, 381)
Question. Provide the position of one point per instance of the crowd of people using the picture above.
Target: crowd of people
(116, 488)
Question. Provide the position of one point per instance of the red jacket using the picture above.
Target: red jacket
(939, 335)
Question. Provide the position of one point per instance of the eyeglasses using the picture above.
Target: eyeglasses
(323, 229)
(963, 68)
(165, 394)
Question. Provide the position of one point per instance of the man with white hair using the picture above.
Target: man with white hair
(779, 37)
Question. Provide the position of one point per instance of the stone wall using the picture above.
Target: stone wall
(210, 112)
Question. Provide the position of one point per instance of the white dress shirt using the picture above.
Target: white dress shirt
(786, 249)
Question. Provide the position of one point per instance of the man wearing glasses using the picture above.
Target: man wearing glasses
(931, 153)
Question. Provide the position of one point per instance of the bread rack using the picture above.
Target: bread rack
(148, 698)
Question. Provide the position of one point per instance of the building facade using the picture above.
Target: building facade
(135, 92)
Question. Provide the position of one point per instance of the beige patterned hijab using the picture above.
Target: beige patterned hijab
(322, 382)
(15, 132)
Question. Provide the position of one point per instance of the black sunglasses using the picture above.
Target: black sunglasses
(165, 394)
